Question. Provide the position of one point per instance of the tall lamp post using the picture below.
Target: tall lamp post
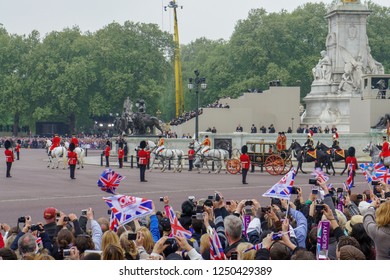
(196, 83)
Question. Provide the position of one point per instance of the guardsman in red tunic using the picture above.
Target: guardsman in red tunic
(121, 154)
(191, 156)
(385, 151)
(55, 142)
(72, 160)
(74, 140)
(107, 153)
(17, 149)
(142, 160)
(245, 162)
(9, 157)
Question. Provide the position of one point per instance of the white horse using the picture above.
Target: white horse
(218, 156)
(80, 155)
(55, 155)
(176, 156)
(373, 151)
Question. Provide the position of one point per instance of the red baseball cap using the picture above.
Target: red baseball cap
(49, 213)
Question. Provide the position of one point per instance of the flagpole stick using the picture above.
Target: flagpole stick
(288, 206)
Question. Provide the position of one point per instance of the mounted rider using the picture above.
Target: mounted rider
(55, 142)
(309, 144)
(74, 140)
(160, 144)
(206, 145)
(336, 143)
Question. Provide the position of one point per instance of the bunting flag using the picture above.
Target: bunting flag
(318, 173)
(109, 180)
(381, 173)
(216, 250)
(282, 189)
(177, 228)
(367, 169)
(126, 208)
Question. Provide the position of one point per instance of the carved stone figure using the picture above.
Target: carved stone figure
(323, 69)
(381, 124)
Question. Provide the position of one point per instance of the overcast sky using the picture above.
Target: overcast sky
(212, 19)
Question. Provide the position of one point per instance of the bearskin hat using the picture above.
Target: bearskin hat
(108, 143)
(351, 151)
(72, 146)
(142, 144)
(244, 149)
(19, 141)
(7, 144)
(120, 145)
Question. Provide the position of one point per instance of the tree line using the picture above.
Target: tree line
(71, 76)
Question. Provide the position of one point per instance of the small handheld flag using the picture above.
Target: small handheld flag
(282, 189)
(109, 180)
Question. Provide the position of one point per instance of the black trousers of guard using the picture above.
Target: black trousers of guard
(120, 161)
(244, 173)
(9, 165)
(17, 155)
(72, 168)
(191, 164)
(142, 169)
(107, 161)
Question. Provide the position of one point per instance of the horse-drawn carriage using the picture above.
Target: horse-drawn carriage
(264, 155)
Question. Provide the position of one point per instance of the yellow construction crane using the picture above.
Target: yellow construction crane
(178, 74)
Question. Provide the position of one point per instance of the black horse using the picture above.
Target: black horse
(319, 157)
(334, 155)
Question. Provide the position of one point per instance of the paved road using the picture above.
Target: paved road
(34, 187)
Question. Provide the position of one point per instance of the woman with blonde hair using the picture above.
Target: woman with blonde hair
(204, 246)
(109, 237)
(144, 242)
(129, 247)
(376, 222)
(250, 255)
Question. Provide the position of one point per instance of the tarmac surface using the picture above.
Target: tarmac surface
(33, 186)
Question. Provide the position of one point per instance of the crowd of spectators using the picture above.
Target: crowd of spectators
(359, 230)
(186, 116)
(216, 104)
(317, 129)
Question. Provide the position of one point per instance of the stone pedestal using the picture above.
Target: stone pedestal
(338, 74)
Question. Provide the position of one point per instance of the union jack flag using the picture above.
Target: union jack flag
(216, 251)
(126, 208)
(282, 189)
(381, 173)
(367, 169)
(177, 228)
(109, 180)
(320, 174)
(349, 183)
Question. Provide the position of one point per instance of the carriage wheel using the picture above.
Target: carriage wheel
(233, 166)
(274, 164)
(287, 166)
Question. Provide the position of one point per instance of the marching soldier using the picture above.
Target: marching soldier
(121, 154)
(143, 160)
(245, 162)
(107, 153)
(9, 157)
(17, 149)
(191, 155)
(72, 160)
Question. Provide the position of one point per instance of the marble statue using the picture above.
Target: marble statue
(323, 69)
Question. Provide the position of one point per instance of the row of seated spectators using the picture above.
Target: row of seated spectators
(186, 116)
